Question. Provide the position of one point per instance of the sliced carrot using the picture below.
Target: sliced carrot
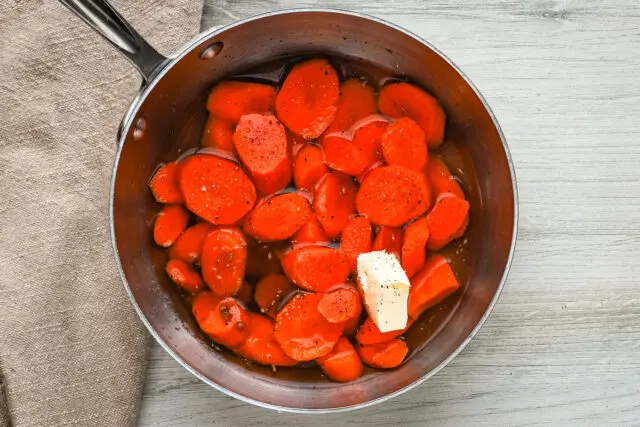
(311, 232)
(340, 305)
(271, 290)
(188, 247)
(393, 195)
(308, 99)
(368, 140)
(302, 331)
(316, 268)
(356, 239)
(342, 155)
(308, 167)
(431, 285)
(216, 189)
(260, 345)
(225, 320)
(388, 239)
(278, 217)
(445, 219)
(183, 275)
(262, 258)
(414, 245)
(245, 294)
(357, 100)
(343, 363)
(218, 133)
(261, 143)
(403, 143)
(230, 100)
(224, 258)
(385, 355)
(441, 179)
(334, 202)
(437, 244)
(370, 334)
(406, 100)
(170, 224)
(164, 184)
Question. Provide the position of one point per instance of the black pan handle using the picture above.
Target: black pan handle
(107, 22)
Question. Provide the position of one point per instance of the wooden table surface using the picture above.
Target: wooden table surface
(563, 343)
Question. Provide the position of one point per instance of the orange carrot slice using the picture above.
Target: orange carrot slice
(316, 268)
(431, 285)
(260, 345)
(271, 290)
(342, 155)
(437, 244)
(218, 133)
(308, 167)
(170, 224)
(441, 179)
(216, 189)
(403, 143)
(188, 247)
(230, 100)
(445, 219)
(368, 140)
(369, 333)
(356, 239)
(278, 218)
(406, 100)
(334, 202)
(357, 100)
(183, 275)
(388, 239)
(343, 363)
(311, 232)
(414, 245)
(340, 305)
(223, 319)
(164, 184)
(308, 100)
(224, 258)
(385, 355)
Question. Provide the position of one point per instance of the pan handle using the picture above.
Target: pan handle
(107, 22)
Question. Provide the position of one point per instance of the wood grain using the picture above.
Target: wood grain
(563, 343)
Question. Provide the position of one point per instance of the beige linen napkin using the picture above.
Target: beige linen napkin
(72, 350)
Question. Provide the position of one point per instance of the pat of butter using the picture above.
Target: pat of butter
(385, 287)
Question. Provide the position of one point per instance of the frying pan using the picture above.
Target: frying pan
(169, 114)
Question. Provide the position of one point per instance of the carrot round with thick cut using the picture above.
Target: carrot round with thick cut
(224, 258)
(216, 189)
(230, 100)
(271, 291)
(414, 245)
(225, 320)
(183, 275)
(356, 239)
(308, 99)
(188, 247)
(164, 184)
(357, 100)
(311, 232)
(432, 284)
(370, 334)
(302, 331)
(406, 100)
(368, 140)
(170, 224)
(343, 363)
(393, 195)
(437, 244)
(278, 218)
(308, 167)
(403, 143)
(261, 143)
(440, 178)
(446, 219)
(340, 305)
(384, 355)
(218, 133)
(260, 345)
(342, 155)
(388, 239)
(334, 202)
(316, 268)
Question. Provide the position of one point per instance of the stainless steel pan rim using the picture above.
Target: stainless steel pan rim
(126, 126)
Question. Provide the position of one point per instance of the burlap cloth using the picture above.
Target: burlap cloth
(72, 350)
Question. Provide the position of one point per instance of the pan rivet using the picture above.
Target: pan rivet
(138, 131)
(211, 51)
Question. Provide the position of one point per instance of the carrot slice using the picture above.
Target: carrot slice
(278, 218)
(370, 334)
(368, 140)
(271, 290)
(343, 363)
(440, 178)
(334, 202)
(260, 345)
(431, 285)
(388, 239)
(223, 319)
(343, 155)
(385, 355)
(302, 331)
(262, 258)
(403, 143)
(245, 294)
(316, 268)
(340, 305)
(393, 195)
(224, 257)
(445, 219)
(230, 100)
(311, 232)
(216, 189)
(308, 167)
(218, 133)
(164, 184)
(414, 245)
(261, 143)
(308, 99)
(356, 239)
(183, 275)
(437, 244)
(406, 100)
(170, 224)
(357, 100)
(188, 247)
